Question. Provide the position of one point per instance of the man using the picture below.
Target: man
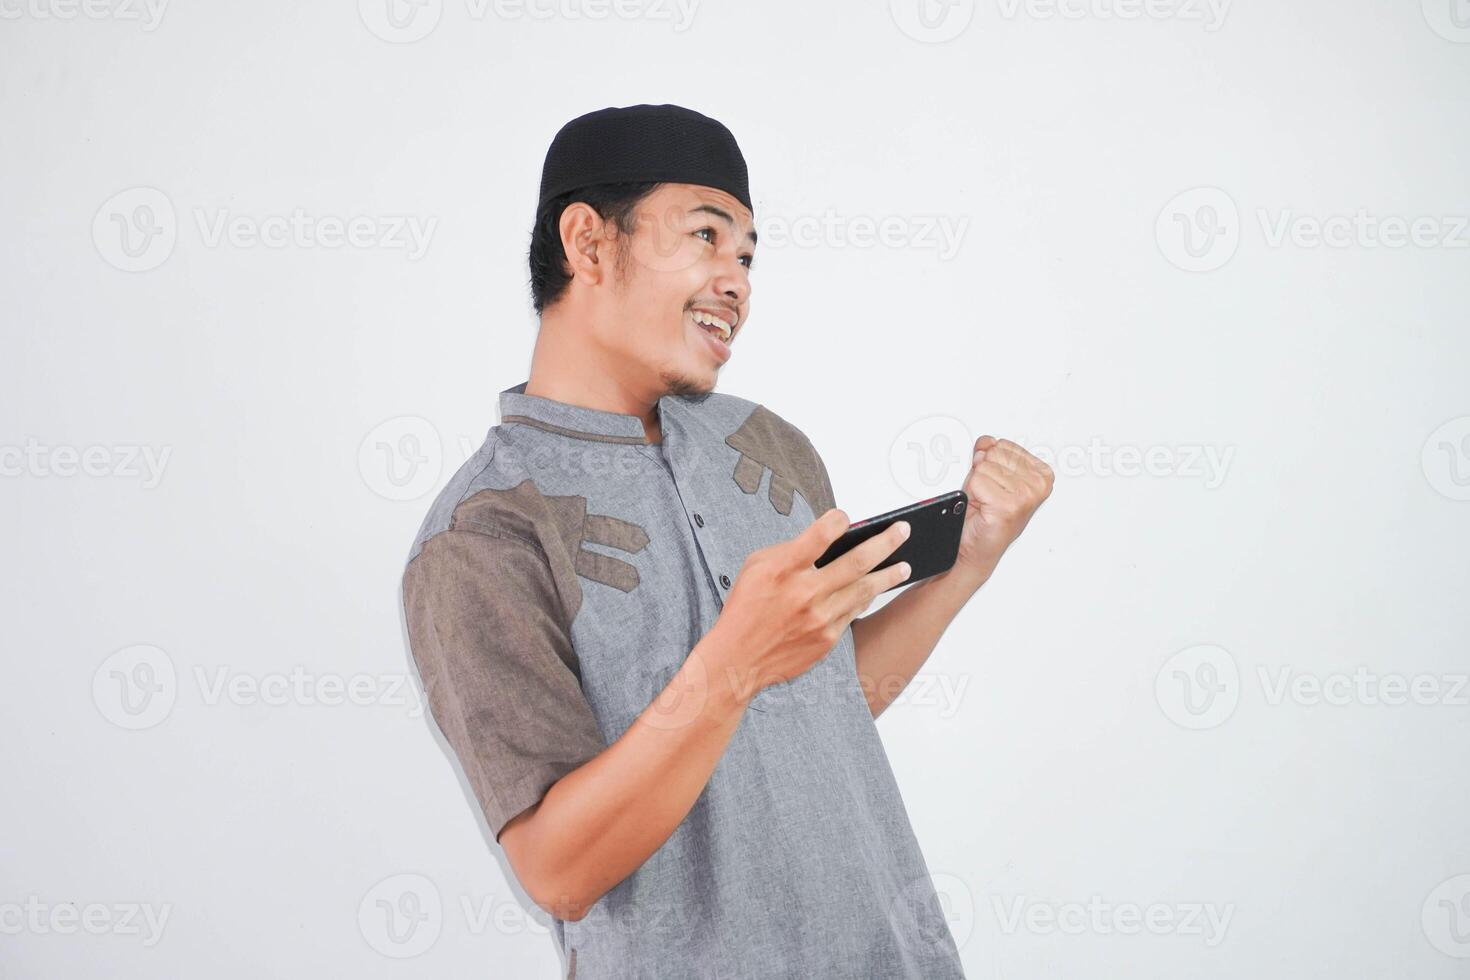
(665, 710)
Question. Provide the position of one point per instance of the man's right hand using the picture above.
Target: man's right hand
(784, 614)
(599, 823)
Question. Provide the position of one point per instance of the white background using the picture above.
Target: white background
(1115, 736)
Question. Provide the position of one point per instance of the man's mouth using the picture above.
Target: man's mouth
(722, 325)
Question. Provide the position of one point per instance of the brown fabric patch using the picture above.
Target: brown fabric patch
(748, 474)
(766, 441)
(558, 527)
(550, 525)
(781, 491)
(493, 647)
(609, 571)
(615, 533)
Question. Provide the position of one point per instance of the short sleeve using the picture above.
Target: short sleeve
(489, 637)
(823, 499)
(828, 498)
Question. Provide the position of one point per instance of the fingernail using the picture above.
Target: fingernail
(903, 529)
(907, 568)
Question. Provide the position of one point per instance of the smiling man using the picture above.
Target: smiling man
(665, 711)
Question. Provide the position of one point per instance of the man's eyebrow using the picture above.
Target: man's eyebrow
(722, 213)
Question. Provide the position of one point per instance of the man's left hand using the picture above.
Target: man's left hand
(1005, 486)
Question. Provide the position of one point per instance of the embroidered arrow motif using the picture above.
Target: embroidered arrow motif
(614, 533)
(766, 441)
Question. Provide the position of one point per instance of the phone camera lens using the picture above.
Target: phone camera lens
(959, 505)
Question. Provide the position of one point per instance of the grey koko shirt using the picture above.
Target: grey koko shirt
(559, 582)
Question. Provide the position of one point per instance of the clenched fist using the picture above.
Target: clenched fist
(1005, 486)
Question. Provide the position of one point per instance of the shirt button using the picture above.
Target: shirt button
(725, 581)
(699, 520)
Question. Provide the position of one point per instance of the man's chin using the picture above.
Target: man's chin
(688, 386)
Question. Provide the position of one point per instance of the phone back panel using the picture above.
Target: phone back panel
(933, 542)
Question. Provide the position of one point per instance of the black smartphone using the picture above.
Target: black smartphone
(933, 542)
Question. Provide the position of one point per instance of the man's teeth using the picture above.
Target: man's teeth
(710, 320)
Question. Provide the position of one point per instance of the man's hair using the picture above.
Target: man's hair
(614, 202)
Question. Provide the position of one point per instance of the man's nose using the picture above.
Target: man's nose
(734, 284)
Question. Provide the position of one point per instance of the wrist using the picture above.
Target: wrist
(729, 685)
(965, 577)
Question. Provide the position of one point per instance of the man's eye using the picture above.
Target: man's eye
(711, 231)
(749, 260)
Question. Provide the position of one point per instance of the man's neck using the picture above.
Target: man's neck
(562, 370)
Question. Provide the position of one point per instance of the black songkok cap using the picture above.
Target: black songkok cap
(667, 143)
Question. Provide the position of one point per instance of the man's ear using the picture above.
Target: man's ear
(583, 242)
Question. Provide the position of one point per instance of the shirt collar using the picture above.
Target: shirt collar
(576, 420)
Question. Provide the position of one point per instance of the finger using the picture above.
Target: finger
(1026, 465)
(850, 601)
(997, 474)
(988, 489)
(818, 536)
(861, 559)
(1017, 475)
(1010, 456)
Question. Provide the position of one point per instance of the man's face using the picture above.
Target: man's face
(688, 260)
